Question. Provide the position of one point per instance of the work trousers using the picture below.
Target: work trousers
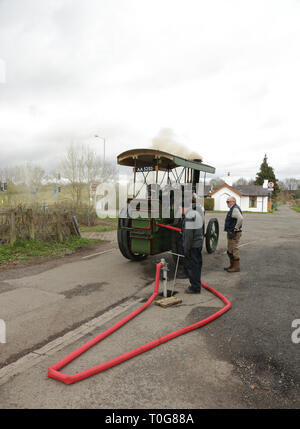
(232, 245)
(182, 263)
(193, 266)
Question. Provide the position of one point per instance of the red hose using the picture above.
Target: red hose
(53, 371)
(174, 228)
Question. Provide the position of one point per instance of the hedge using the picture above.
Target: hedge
(209, 203)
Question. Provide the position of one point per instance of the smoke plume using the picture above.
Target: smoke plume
(166, 141)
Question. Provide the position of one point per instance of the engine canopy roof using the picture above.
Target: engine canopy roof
(163, 160)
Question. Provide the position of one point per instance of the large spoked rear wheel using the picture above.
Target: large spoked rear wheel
(212, 235)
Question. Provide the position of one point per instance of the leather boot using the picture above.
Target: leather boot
(230, 256)
(236, 266)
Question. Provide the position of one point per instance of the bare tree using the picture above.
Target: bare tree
(72, 171)
(12, 174)
(28, 174)
(241, 182)
(291, 184)
(53, 176)
(18, 174)
(35, 175)
(82, 167)
(216, 182)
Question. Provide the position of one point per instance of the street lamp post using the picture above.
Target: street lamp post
(99, 137)
(104, 141)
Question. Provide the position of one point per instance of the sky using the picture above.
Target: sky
(221, 76)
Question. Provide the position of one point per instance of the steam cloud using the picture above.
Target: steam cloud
(166, 141)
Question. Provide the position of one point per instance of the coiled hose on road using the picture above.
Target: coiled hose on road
(53, 371)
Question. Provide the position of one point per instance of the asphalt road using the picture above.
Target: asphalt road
(245, 359)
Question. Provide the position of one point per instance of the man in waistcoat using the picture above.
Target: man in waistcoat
(233, 227)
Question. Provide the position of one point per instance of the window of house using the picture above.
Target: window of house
(252, 202)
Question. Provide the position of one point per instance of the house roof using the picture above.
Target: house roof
(225, 185)
(252, 190)
(244, 190)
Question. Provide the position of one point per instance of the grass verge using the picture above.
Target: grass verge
(23, 250)
(296, 208)
(98, 228)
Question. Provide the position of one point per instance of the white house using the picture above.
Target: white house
(249, 197)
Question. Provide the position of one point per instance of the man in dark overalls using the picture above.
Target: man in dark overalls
(182, 270)
(192, 239)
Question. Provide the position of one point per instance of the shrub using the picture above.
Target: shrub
(209, 204)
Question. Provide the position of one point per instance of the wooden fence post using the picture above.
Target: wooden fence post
(58, 228)
(30, 224)
(75, 226)
(12, 228)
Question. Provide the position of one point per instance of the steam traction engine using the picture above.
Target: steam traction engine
(139, 233)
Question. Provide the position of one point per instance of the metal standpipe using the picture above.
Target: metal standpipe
(176, 269)
(165, 270)
(164, 276)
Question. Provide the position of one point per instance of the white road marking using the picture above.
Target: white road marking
(245, 244)
(49, 349)
(99, 253)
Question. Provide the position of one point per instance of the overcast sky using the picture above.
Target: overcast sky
(222, 75)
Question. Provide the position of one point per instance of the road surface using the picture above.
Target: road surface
(245, 359)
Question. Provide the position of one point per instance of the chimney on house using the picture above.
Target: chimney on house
(228, 179)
